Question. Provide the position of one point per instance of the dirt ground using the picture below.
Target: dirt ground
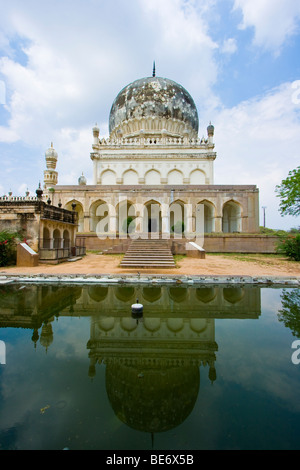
(219, 265)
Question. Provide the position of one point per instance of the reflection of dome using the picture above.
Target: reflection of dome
(159, 99)
(152, 399)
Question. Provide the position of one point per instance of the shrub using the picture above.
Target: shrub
(8, 252)
(128, 225)
(290, 246)
(178, 227)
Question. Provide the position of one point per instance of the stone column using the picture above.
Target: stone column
(218, 224)
(165, 221)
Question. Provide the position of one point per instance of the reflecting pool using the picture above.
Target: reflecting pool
(212, 367)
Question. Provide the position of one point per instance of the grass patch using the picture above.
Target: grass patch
(177, 259)
(262, 258)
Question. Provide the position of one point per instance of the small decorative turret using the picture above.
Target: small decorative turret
(210, 133)
(39, 192)
(82, 180)
(96, 133)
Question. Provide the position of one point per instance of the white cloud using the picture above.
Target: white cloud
(229, 46)
(74, 68)
(258, 143)
(274, 21)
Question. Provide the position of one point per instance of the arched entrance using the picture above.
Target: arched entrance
(177, 221)
(126, 215)
(232, 214)
(99, 220)
(152, 217)
(208, 214)
(80, 213)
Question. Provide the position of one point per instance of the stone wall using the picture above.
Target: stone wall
(221, 243)
(240, 243)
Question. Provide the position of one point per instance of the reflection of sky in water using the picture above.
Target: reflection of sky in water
(49, 401)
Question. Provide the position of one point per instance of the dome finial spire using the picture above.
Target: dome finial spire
(154, 71)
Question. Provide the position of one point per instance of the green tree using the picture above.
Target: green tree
(289, 193)
(290, 312)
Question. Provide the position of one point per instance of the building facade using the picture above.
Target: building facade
(154, 175)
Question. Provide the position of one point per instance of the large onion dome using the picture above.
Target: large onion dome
(153, 106)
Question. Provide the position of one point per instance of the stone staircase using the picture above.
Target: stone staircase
(148, 254)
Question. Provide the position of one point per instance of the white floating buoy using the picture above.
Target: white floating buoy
(137, 309)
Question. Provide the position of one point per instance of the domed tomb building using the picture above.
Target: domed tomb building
(154, 172)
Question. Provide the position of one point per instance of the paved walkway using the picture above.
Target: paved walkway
(213, 265)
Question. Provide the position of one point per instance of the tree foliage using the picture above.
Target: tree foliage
(289, 245)
(289, 194)
(290, 312)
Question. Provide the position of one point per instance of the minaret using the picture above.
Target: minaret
(50, 175)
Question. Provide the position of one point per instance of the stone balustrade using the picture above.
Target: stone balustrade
(156, 141)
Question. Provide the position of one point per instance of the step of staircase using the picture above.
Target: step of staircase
(148, 253)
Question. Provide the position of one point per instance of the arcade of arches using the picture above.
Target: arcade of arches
(140, 214)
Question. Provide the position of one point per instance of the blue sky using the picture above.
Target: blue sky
(62, 63)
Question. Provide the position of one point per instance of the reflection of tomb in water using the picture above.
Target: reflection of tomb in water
(207, 301)
(35, 307)
(152, 364)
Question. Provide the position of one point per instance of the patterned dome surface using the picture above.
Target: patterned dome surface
(154, 97)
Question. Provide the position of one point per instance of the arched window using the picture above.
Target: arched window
(46, 238)
(66, 239)
(56, 239)
(108, 178)
(152, 177)
(175, 177)
(130, 178)
(197, 177)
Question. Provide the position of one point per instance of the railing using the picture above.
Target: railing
(55, 249)
(61, 215)
(56, 243)
(18, 199)
(47, 211)
(155, 141)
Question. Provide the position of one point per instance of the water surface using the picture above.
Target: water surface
(203, 368)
